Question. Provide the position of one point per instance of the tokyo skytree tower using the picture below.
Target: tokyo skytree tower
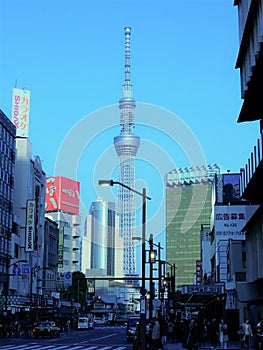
(126, 146)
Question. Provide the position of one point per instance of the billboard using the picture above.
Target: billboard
(20, 111)
(229, 221)
(231, 193)
(30, 225)
(62, 194)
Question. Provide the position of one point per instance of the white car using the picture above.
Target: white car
(99, 319)
(85, 323)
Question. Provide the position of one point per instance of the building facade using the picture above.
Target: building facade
(103, 236)
(7, 166)
(188, 206)
(62, 207)
(250, 65)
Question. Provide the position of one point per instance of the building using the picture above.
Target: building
(250, 64)
(62, 207)
(126, 146)
(29, 210)
(7, 165)
(103, 236)
(102, 247)
(188, 206)
(51, 238)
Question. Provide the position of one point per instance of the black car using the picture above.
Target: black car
(46, 329)
(132, 324)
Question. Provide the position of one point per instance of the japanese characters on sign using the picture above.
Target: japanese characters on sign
(229, 221)
(62, 194)
(30, 225)
(20, 111)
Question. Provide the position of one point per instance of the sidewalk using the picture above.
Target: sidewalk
(233, 345)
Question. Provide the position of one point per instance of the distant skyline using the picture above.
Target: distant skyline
(70, 55)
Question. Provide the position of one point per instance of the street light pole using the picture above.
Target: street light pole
(159, 271)
(151, 276)
(143, 290)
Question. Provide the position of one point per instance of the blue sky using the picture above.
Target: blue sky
(70, 55)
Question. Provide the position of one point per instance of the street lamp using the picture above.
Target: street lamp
(152, 260)
(143, 290)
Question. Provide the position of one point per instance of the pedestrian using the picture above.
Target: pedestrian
(192, 340)
(68, 325)
(223, 334)
(156, 336)
(213, 333)
(248, 334)
(170, 331)
(241, 336)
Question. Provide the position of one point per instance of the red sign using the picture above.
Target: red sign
(198, 271)
(62, 194)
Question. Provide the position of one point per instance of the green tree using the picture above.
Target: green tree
(78, 290)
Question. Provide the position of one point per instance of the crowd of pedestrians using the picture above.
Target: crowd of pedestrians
(23, 328)
(197, 333)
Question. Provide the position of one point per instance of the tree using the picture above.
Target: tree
(78, 290)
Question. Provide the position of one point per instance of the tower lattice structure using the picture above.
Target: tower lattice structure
(126, 146)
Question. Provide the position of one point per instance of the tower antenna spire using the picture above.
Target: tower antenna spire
(126, 146)
(127, 54)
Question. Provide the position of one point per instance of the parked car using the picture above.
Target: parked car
(85, 323)
(46, 329)
(99, 319)
(131, 326)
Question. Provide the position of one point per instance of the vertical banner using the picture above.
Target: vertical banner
(67, 279)
(30, 225)
(20, 111)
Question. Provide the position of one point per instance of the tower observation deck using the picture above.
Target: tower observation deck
(126, 146)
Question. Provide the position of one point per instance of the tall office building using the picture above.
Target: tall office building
(126, 145)
(188, 206)
(103, 236)
(7, 171)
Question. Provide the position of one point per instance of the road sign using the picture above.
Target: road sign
(26, 268)
(16, 271)
(67, 279)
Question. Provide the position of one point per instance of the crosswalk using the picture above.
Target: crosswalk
(34, 346)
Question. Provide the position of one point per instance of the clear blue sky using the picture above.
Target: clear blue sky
(70, 55)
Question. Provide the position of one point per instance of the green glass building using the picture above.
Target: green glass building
(188, 206)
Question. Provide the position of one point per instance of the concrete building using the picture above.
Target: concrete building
(7, 168)
(250, 64)
(62, 207)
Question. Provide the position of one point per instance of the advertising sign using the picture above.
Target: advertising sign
(67, 279)
(20, 111)
(229, 221)
(30, 225)
(62, 194)
(231, 186)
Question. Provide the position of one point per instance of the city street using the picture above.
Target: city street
(100, 338)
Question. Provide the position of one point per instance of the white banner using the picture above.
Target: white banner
(20, 111)
(229, 221)
(67, 279)
(30, 225)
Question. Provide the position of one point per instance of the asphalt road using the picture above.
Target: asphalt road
(100, 338)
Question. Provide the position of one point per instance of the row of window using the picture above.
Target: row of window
(6, 137)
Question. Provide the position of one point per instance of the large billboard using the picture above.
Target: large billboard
(20, 111)
(229, 221)
(62, 194)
